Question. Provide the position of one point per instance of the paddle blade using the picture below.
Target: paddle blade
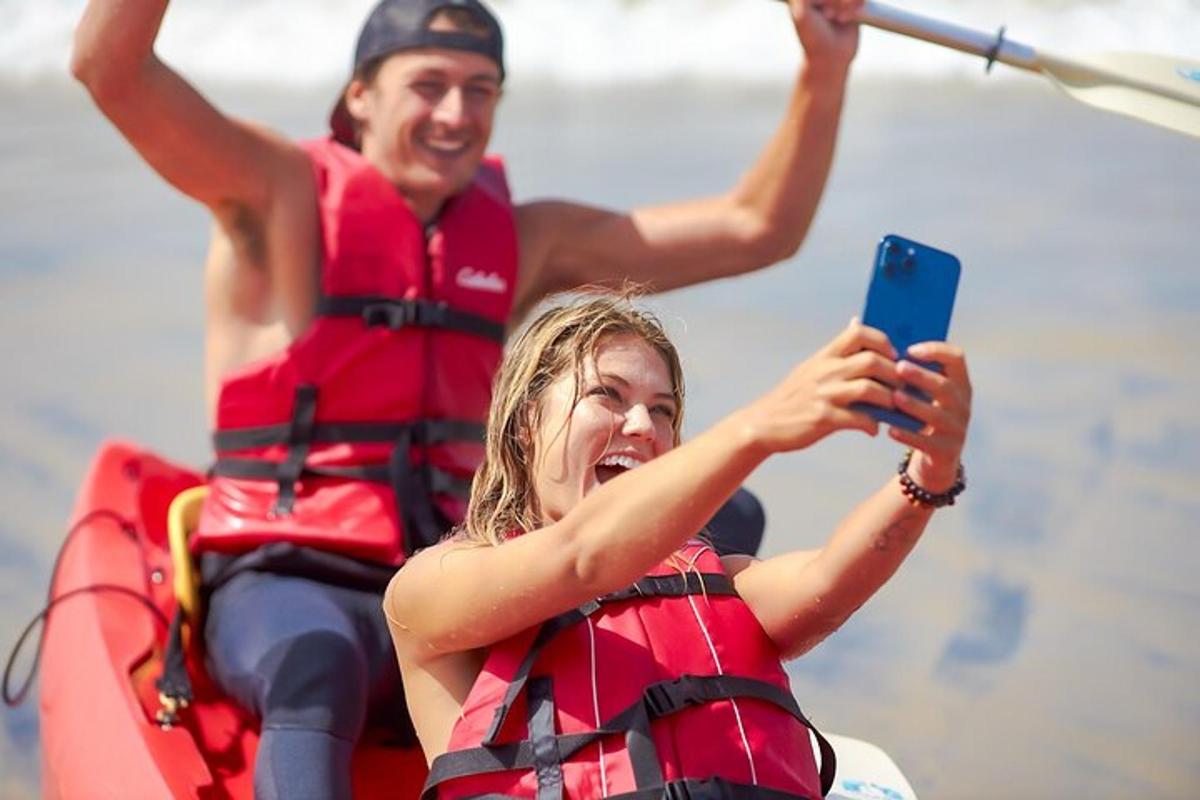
(1158, 89)
(865, 771)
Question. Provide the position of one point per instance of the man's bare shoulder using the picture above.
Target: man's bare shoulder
(557, 240)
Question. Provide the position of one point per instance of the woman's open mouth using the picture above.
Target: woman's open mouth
(611, 466)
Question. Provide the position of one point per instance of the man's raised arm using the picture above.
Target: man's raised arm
(762, 220)
(230, 166)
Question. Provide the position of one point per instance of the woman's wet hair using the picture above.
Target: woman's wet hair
(562, 340)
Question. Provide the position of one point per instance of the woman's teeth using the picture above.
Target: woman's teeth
(626, 462)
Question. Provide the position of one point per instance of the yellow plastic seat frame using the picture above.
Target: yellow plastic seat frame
(182, 518)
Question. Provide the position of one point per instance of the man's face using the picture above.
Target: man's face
(426, 119)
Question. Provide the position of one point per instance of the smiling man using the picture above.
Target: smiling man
(358, 290)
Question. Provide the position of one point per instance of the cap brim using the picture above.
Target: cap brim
(341, 124)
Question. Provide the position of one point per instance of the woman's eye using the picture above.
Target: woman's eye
(605, 391)
(666, 412)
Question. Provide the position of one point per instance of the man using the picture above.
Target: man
(357, 290)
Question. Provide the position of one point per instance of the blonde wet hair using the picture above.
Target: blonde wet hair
(563, 339)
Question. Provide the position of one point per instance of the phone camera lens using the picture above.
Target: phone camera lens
(891, 258)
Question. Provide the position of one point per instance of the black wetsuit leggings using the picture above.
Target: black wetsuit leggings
(310, 658)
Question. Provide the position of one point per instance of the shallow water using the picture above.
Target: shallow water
(1040, 642)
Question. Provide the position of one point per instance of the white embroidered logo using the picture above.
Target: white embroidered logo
(480, 281)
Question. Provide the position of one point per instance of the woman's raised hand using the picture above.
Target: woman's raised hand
(815, 400)
(946, 414)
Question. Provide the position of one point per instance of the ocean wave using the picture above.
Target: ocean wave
(308, 42)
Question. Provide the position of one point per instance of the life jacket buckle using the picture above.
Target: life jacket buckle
(670, 696)
(397, 314)
(389, 314)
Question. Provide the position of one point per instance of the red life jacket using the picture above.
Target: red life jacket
(669, 689)
(362, 436)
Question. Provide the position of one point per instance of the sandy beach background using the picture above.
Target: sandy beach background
(1041, 640)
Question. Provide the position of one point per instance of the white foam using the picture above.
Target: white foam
(308, 42)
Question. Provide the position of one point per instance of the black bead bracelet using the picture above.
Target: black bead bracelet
(924, 498)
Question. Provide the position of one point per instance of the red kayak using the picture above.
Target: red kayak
(103, 651)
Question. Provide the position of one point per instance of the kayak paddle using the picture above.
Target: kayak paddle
(1161, 90)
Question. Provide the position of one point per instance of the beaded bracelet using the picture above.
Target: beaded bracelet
(923, 498)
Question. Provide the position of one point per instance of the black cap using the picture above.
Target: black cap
(396, 25)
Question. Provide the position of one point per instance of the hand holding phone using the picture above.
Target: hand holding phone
(910, 298)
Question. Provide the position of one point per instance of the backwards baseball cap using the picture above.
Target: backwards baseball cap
(397, 25)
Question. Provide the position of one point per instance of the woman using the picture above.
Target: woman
(576, 637)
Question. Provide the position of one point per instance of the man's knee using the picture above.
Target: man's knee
(315, 681)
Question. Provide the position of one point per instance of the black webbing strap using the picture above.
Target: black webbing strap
(710, 789)
(828, 757)
(424, 523)
(657, 701)
(685, 789)
(413, 485)
(639, 742)
(174, 685)
(547, 762)
(304, 412)
(501, 758)
(670, 696)
(550, 628)
(681, 585)
(440, 481)
(428, 432)
(689, 583)
(396, 314)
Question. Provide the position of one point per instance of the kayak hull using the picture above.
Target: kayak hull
(103, 650)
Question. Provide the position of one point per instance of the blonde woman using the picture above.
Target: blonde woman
(578, 638)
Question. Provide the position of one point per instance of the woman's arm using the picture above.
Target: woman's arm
(232, 167)
(456, 597)
(801, 598)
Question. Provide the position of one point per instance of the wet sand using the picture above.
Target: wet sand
(1039, 643)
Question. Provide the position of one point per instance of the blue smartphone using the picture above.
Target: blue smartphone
(910, 298)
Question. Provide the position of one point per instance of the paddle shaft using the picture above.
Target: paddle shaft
(994, 47)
